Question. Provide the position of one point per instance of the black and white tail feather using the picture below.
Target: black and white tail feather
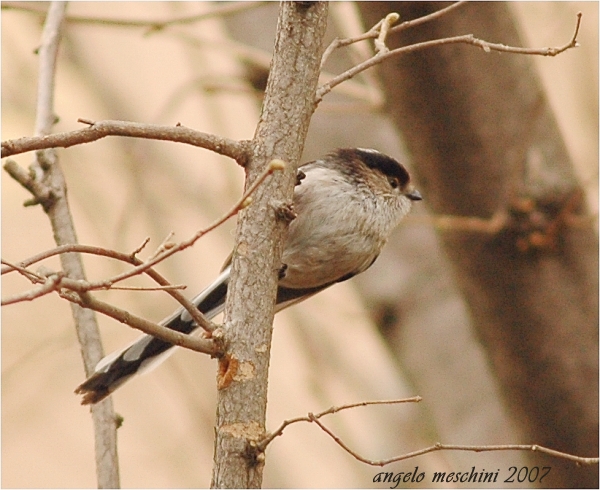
(347, 204)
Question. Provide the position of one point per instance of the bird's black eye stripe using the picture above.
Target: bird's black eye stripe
(389, 167)
(386, 165)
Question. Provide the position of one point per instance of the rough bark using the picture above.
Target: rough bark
(243, 374)
(481, 135)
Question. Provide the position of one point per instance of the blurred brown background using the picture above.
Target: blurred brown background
(326, 351)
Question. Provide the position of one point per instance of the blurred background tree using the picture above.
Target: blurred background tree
(483, 138)
(327, 351)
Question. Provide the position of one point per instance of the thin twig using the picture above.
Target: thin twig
(374, 31)
(407, 24)
(41, 192)
(196, 315)
(239, 205)
(33, 277)
(148, 288)
(384, 30)
(262, 445)
(77, 291)
(50, 285)
(455, 447)
(518, 447)
(164, 245)
(83, 287)
(141, 247)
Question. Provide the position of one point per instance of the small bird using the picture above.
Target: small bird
(346, 203)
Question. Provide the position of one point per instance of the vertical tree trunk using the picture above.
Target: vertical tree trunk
(243, 377)
(481, 135)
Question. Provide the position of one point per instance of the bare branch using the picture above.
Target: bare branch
(100, 129)
(487, 46)
(518, 447)
(46, 170)
(77, 291)
(383, 55)
(41, 192)
(144, 266)
(427, 18)
(533, 224)
(262, 445)
(196, 315)
(452, 447)
(244, 201)
(141, 247)
(51, 284)
(34, 278)
(85, 300)
(155, 288)
(153, 25)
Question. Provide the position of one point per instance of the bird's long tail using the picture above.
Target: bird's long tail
(147, 352)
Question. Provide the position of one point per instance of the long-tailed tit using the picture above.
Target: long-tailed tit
(346, 203)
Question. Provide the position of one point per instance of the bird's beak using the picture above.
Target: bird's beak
(414, 195)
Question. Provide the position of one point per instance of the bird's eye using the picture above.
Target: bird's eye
(394, 182)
